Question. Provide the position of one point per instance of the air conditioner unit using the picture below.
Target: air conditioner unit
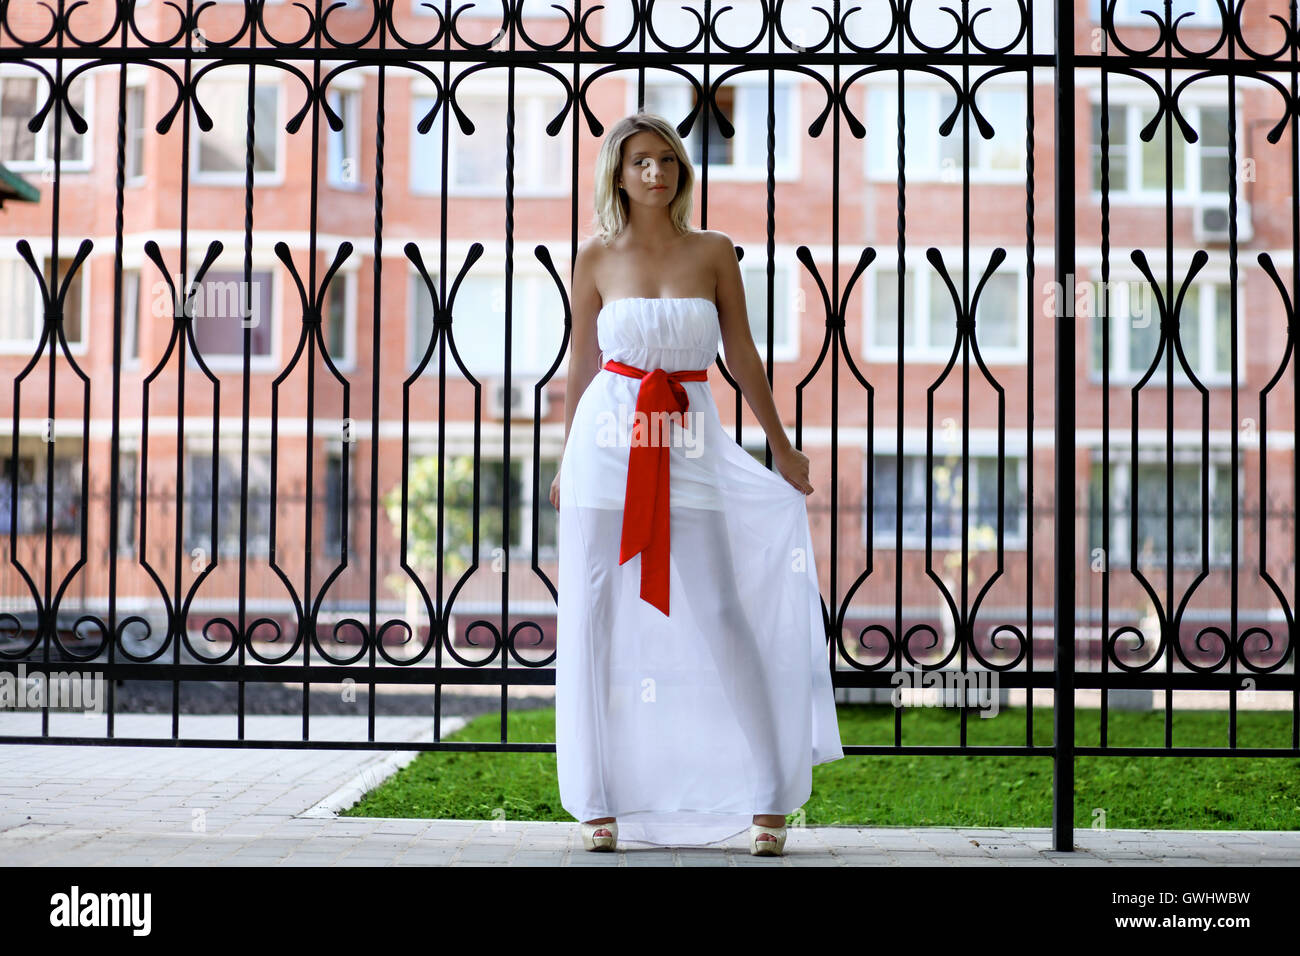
(1211, 222)
(520, 404)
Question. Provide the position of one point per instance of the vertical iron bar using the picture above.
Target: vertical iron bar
(1063, 704)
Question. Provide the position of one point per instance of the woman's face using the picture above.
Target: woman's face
(650, 169)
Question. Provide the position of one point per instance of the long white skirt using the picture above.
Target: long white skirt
(685, 726)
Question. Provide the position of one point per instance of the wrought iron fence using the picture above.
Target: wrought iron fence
(924, 376)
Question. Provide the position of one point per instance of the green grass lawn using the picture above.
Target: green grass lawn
(1231, 793)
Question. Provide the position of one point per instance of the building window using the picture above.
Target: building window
(18, 481)
(1152, 530)
(218, 309)
(338, 503)
(946, 496)
(199, 500)
(477, 162)
(21, 96)
(344, 162)
(1201, 13)
(126, 502)
(130, 315)
(930, 316)
(220, 153)
(419, 323)
(1212, 149)
(25, 477)
(22, 311)
(134, 132)
(431, 8)
(744, 153)
(478, 326)
(340, 312)
(1137, 168)
(786, 314)
(1205, 328)
(929, 155)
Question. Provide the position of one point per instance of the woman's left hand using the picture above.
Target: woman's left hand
(793, 466)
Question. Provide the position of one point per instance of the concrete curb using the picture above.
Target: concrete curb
(373, 774)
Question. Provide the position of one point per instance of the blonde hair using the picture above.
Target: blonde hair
(611, 203)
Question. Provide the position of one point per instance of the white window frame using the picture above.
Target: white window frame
(1121, 483)
(525, 282)
(1128, 12)
(1125, 103)
(134, 87)
(787, 325)
(234, 361)
(882, 128)
(348, 276)
(40, 254)
(918, 276)
(345, 99)
(1125, 284)
(538, 11)
(131, 320)
(745, 84)
(261, 178)
(44, 161)
(885, 538)
(536, 101)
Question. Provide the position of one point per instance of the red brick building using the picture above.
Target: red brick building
(318, 411)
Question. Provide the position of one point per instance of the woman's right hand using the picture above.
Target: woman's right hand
(555, 491)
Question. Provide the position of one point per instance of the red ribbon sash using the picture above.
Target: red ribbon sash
(645, 504)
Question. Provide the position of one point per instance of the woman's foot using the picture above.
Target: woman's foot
(768, 820)
(598, 837)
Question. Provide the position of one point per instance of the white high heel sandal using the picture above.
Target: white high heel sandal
(773, 847)
(606, 841)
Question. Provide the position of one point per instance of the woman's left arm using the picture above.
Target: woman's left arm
(746, 367)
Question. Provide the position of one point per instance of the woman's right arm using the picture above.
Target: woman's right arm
(584, 349)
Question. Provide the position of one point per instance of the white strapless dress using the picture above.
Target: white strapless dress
(683, 726)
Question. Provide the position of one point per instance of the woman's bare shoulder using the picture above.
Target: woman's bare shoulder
(717, 245)
(718, 250)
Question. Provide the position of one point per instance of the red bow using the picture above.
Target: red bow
(646, 529)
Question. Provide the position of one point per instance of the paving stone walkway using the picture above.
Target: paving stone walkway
(90, 805)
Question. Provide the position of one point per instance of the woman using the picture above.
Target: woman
(692, 689)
